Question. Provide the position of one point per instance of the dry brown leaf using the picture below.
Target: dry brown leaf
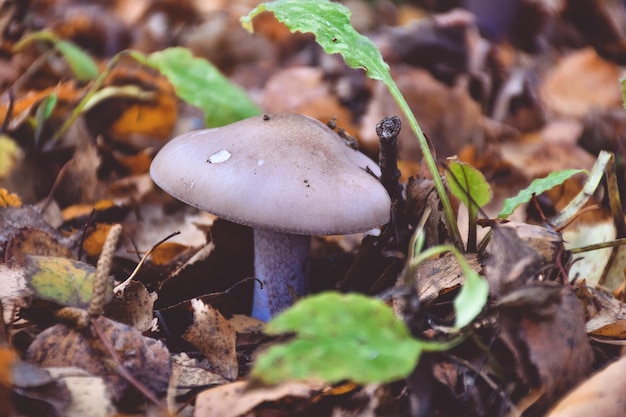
(613, 331)
(580, 82)
(600, 395)
(590, 265)
(189, 373)
(512, 261)
(436, 277)
(533, 157)
(236, 399)
(449, 116)
(14, 292)
(212, 335)
(33, 241)
(249, 330)
(133, 307)
(79, 182)
(602, 308)
(548, 339)
(89, 394)
(146, 359)
(314, 97)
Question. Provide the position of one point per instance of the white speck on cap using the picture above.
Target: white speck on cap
(263, 184)
(220, 156)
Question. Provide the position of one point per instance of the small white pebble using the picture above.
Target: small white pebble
(260, 162)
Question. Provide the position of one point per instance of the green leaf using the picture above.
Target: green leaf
(330, 22)
(199, 83)
(468, 185)
(44, 110)
(538, 186)
(339, 336)
(472, 297)
(81, 64)
(46, 107)
(61, 280)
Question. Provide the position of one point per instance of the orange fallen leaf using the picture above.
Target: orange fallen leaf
(95, 240)
(167, 251)
(78, 210)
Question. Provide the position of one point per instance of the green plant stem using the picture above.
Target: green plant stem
(430, 163)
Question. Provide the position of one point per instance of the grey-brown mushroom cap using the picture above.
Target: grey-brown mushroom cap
(285, 172)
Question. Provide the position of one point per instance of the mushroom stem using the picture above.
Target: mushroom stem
(281, 261)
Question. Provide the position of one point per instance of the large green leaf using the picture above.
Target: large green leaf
(339, 336)
(198, 82)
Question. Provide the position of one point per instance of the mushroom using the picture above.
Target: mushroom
(287, 176)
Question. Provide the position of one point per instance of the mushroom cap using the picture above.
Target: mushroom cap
(284, 172)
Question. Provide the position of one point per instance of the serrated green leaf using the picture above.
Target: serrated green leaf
(61, 280)
(199, 83)
(330, 23)
(468, 184)
(339, 336)
(538, 186)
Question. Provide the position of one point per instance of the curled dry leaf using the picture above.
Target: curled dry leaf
(133, 307)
